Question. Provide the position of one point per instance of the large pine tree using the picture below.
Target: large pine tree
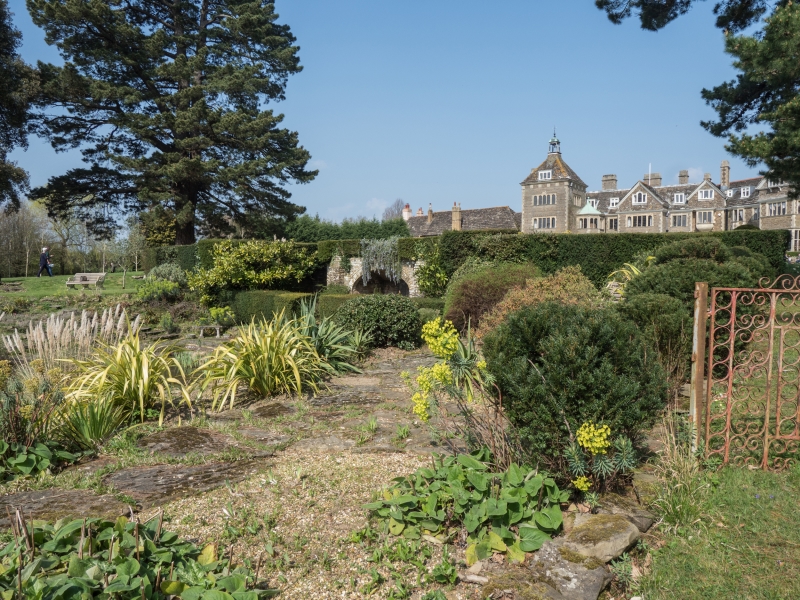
(16, 84)
(167, 100)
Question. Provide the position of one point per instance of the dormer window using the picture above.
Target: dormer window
(613, 202)
(545, 175)
(774, 183)
(679, 198)
(745, 192)
(706, 194)
(640, 198)
(593, 202)
(729, 193)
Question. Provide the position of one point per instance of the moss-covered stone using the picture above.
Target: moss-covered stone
(524, 584)
(587, 562)
(600, 528)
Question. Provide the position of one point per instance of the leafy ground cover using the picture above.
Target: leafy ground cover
(748, 545)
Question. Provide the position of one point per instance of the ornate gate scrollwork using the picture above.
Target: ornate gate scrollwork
(752, 399)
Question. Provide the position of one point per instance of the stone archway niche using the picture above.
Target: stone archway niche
(352, 279)
(379, 283)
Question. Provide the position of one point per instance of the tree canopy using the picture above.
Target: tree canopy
(732, 15)
(16, 87)
(764, 93)
(167, 100)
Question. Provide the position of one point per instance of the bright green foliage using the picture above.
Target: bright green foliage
(333, 344)
(314, 229)
(222, 315)
(95, 559)
(171, 100)
(269, 357)
(431, 277)
(595, 461)
(391, 320)
(169, 272)
(252, 265)
(88, 425)
(510, 512)
(157, 289)
(468, 299)
(19, 460)
(130, 375)
(559, 366)
(758, 111)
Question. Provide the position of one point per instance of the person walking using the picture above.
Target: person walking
(44, 263)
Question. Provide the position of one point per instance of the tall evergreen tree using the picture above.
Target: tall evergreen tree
(16, 83)
(167, 100)
(765, 93)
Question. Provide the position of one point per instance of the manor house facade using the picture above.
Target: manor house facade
(556, 200)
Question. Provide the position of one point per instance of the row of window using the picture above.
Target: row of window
(588, 223)
(640, 221)
(776, 209)
(544, 199)
(544, 223)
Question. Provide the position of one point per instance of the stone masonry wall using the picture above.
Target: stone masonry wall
(337, 275)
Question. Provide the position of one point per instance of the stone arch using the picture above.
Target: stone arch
(379, 283)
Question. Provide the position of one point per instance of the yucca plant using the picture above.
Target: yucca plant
(130, 375)
(269, 357)
(89, 424)
(332, 342)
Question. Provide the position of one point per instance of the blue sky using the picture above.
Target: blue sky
(440, 101)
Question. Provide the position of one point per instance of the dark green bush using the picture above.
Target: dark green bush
(328, 304)
(756, 263)
(265, 303)
(431, 303)
(391, 320)
(677, 278)
(479, 292)
(558, 366)
(706, 247)
(336, 289)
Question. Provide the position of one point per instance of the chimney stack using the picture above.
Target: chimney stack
(707, 177)
(683, 177)
(420, 213)
(725, 175)
(456, 217)
(406, 212)
(430, 214)
(609, 182)
(653, 179)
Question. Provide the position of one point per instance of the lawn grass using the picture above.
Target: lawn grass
(39, 287)
(748, 546)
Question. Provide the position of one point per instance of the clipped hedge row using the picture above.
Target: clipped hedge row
(265, 303)
(185, 256)
(327, 304)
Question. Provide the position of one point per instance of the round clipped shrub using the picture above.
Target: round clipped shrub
(710, 248)
(391, 320)
(470, 298)
(558, 366)
(168, 272)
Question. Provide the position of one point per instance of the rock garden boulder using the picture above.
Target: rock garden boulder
(604, 537)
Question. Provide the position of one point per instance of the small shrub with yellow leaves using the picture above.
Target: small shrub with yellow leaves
(597, 462)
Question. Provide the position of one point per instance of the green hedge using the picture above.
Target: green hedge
(185, 256)
(328, 303)
(265, 303)
(434, 303)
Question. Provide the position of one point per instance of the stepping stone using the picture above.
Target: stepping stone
(93, 466)
(54, 504)
(178, 442)
(356, 381)
(265, 437)
(273, 409)
(152, 486)
(330, 443)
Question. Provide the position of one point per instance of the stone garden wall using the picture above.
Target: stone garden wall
(338, 275)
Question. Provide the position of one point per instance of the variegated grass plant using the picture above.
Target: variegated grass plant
(269, 357)
(130, 375)
(57, 338)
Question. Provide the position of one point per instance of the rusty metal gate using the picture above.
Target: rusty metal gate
(746, 387)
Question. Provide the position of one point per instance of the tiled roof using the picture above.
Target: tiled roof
(736, 200)
(556, 164)
(498, 217)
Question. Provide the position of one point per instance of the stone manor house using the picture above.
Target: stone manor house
(556, 200)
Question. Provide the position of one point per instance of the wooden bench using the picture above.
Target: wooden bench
(87, 279)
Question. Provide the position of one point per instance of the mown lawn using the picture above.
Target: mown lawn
(38, 287)
(748, 546)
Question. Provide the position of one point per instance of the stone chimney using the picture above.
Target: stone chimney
(420, 213)
(406, 212)
(430, 214)
(609, 182)
(456, 217)
(652, 179)
(725, 175)
(707, 177)
(683, 177)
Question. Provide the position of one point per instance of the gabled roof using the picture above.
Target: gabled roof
(556, 164)
(710, 184)
(498, 217)
(736, 199)
(651, 191)
(603, 198)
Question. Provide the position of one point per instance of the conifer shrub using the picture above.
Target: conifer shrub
(704, 247)
(476, 294)
(391, 320)
(567, 286)
(558, 366)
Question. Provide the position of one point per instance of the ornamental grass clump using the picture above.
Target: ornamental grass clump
(130, 375)
(268, 357)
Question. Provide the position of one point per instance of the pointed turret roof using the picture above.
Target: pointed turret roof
(554, 163)
(589, 210)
